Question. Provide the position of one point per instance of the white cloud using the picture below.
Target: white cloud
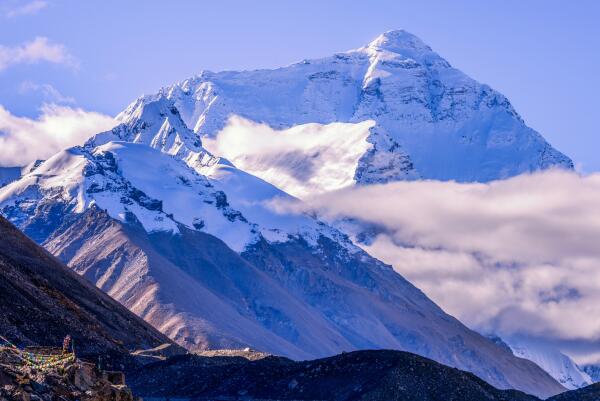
(49, 92)
(31, 7)
(35, 51)
(520, 256)
(23, 140)
(305, 159)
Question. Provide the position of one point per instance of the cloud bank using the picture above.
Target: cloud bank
(35, 51)
(305, 159)
(23, 140)
(513, 257)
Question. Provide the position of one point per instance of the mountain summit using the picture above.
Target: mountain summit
(400, 41)
(430, 120)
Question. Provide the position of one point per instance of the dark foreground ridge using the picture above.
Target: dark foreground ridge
(360, 375)
(589, 393)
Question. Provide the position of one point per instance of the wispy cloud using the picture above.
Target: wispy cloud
(305, 159)
(28, 8)
(38, 50)
(519, 256)
(23, 140)
(49, 92)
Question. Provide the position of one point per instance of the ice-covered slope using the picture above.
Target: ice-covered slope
(204, 259)
(557, 364)
(431, 120)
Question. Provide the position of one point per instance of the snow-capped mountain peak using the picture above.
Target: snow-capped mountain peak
(398, 39)
(403, 43)
(191, 243)
(157, 123)
(431, 120)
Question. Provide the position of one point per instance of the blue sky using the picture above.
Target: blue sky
(100, 55)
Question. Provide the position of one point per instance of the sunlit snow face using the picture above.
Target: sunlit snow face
(513, 256)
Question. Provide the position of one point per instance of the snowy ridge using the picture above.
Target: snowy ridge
(132, 180)
(431, 120)
(557, 364)
(158, 125)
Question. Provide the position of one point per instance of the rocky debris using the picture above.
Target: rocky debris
(159, 353)
(81, 381)
(247, 353)
(361, 375)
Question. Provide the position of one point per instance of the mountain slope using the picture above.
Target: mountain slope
(41, 301)
(32, 280)
(206, 260)
(430, 120)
